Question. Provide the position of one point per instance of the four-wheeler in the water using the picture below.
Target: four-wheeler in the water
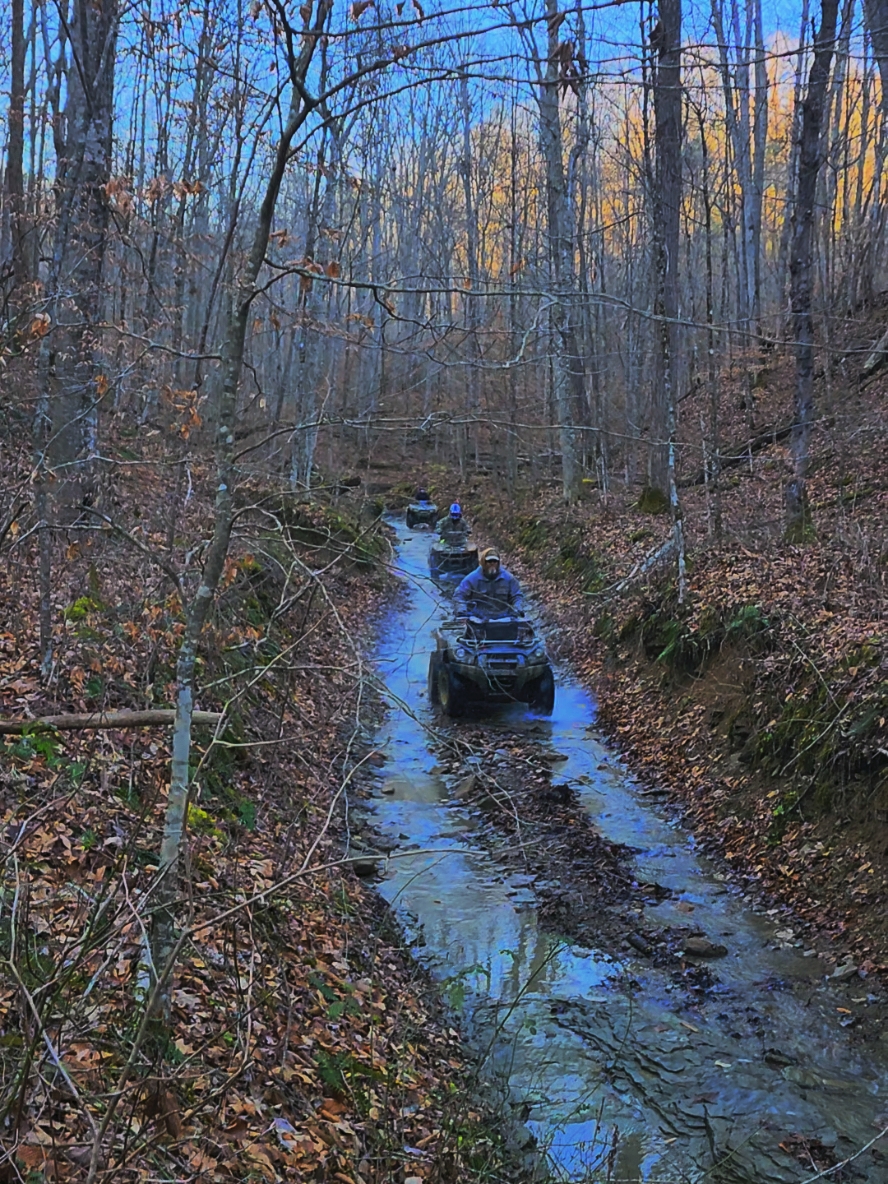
(451, 554)
(482, 660)
(423, 511)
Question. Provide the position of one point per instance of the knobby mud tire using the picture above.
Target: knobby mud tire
(434, 669)
(451, 692)
(542, 694)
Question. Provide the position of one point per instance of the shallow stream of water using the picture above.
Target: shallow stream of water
(618, 1073)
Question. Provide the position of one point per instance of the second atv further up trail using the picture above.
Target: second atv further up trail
(452, 555)
(421, 513)
(488, 661)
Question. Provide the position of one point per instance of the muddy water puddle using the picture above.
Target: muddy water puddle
(617, 1071)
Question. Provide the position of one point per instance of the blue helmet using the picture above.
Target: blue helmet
(455, 511)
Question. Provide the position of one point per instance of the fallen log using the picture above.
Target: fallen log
(641, 569)
(103, 719)
(877, 357)
(741, 454)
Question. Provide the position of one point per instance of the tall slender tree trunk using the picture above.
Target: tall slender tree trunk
(163, 934)
(473, 295)
(667, 214)
(667, 222)
(567, 377)
(83, 149)
(15, 180)
(876, 15)
(801, 267)
(792, 169)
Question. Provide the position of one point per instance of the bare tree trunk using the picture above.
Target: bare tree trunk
(792, 169)
(798, 513)
(473, 295)
(567, 365)
(163, 936)
(667, 211)
(83, 149)
(759, 151)
(876, 14)
(712, 447)
(15, 182)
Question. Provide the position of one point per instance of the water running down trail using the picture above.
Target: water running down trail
(617, 1072)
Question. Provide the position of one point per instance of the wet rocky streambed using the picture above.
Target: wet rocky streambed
(638, 1019)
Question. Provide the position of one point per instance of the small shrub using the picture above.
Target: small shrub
(652, 501)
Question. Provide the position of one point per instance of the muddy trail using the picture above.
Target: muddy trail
(638, 1020)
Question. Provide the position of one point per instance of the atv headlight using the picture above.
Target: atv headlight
(462, 654)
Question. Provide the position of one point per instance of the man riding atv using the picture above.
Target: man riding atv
(453, 522)
(489, 590)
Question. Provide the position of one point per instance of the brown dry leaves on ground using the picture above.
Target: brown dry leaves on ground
(301, 1043)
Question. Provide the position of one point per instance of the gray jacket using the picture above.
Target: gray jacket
(491, 598)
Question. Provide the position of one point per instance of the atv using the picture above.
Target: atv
(451, 554)
(489, 660)
(423, 513)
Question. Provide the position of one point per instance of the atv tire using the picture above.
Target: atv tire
(411, 521)
(434, 670)
(451, 691)
(542, 694)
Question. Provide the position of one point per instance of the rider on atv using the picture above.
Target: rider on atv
(453, 522)
(490, 590)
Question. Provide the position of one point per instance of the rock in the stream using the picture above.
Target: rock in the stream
(843, 972)
(702, 947)
(638, 943)
(465, 788)
(365, 865)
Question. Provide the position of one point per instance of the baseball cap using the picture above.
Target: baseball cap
(491, 554)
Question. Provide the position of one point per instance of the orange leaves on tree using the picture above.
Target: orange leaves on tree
(359, 7)
(184, 189)
(39, 326)
(309, 268)
(361, 319)
(118, 192)
(185, 404)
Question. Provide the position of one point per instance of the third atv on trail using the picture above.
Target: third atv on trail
(422, 512)
(489, 660)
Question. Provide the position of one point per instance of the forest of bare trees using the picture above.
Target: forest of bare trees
(250, 252)
(495, 233)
